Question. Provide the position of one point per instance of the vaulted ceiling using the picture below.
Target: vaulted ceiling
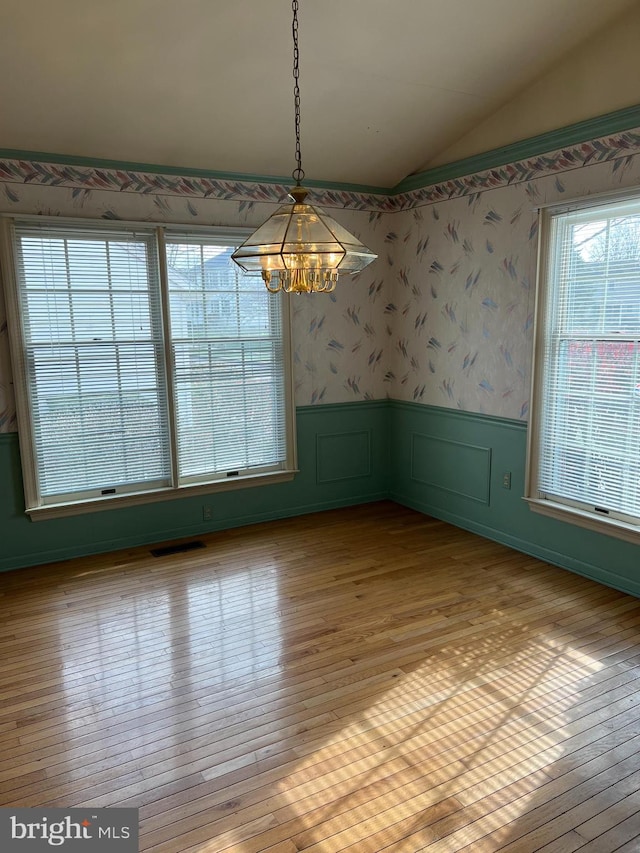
(386, 85)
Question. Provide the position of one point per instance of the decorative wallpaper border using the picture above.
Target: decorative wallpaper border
(443, 318)
(597, 127)
(122, 180)
(19, 171)
(619, 146)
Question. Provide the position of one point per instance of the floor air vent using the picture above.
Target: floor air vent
(177, 549)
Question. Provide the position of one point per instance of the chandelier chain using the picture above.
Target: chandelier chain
(305, 249)
(298, 172)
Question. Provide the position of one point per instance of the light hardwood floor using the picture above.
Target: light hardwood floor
(360, 680)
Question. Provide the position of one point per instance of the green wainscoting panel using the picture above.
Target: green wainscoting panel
(343, 456)
(505, 517)
(442, 462)
(436, 462)
(24, 542)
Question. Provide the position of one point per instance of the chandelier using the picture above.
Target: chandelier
(300, 248)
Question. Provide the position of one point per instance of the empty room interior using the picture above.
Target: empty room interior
(320, 513)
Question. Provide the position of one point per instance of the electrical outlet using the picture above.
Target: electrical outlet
(206, 512)
(506, 480)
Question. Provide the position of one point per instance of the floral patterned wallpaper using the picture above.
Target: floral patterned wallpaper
(443, 317)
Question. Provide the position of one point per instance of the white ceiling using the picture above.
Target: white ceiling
(385, 84)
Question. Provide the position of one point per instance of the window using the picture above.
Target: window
(584, 441)
(146, 365)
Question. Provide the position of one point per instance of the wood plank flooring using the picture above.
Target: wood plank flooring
(360, 680)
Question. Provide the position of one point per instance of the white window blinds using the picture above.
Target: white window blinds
(228, 376)
(92, 335)
(588, 402)
(147, 362)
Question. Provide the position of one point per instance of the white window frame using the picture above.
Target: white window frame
(562, 509)
(39, 509)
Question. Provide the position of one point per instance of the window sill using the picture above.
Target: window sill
(60, 510)
(570, 515)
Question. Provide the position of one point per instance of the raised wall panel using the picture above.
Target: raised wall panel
(342, 460)
(450, 464)
(453, 466)
(432, 459)
(343, 456)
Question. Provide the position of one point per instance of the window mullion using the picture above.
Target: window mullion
(116, 354)
(169, 357)
(72, 329)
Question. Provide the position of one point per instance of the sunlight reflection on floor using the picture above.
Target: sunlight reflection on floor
(455, 730)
